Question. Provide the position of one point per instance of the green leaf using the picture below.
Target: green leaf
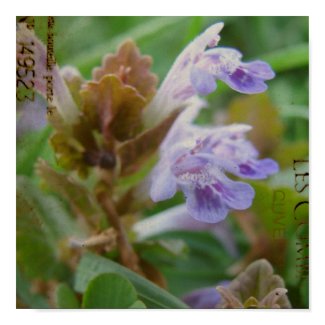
(65, 297)
(294, 111)
(154, 297)
(109, 290)
(29, 148)
(205, 263)
(138, 305)
(75, 193)
(43, 227)
(24, 293)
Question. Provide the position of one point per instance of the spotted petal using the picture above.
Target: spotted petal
(209, 193)
(225, 64)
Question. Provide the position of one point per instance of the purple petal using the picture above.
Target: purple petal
(244, 82)
(258, 169)
(204, 298)
(221, 58)
(163, 182)
(259, 69)
(205, 204)
(209, 193)
(32, 116)
(211, 203)
(202, 81)
(236, 195)
(191, 168)
(225, 64)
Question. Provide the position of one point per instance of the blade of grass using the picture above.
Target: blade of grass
(293, 57)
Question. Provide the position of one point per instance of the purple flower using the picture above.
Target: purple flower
(204, 298)
(196, 71)
(225, 64)
(194, 159)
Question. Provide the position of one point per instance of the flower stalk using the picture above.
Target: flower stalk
(128, 256)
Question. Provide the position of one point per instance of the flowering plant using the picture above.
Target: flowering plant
(120, 146)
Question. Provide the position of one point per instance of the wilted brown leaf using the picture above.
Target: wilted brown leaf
(131, 67)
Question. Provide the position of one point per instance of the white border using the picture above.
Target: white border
(141, 7)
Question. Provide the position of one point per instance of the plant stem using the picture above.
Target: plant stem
(128, 256)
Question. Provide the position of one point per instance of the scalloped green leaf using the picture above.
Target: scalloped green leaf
(92, 265)
(109, 291)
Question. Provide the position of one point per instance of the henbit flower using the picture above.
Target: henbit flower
(195, 159)
(197, 69)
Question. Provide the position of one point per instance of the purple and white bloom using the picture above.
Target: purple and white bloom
(195, 160)
(196, 71)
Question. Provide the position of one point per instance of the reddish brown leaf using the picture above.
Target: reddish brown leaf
(131, 67)
(256, 287)
(134, 152)
(113, 107)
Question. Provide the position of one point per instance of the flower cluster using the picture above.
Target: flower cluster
(195, 159)
(118, 119)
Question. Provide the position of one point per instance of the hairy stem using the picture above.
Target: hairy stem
(128, 256)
